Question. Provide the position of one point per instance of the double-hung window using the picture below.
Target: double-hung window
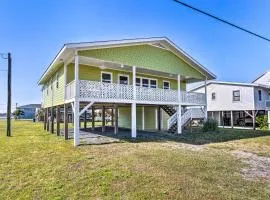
(260, 95)
(123, 79)
(213, 96)
(236, 95)
(145, 82)
(153, 83)
(106, 77)
(166, 85)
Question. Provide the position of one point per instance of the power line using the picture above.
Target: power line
(222, 20)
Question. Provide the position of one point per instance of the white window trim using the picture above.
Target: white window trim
(239, 95)
(104, 72)
(212, 96)
(259, 95)
(124, 75)
(166, 82)
(149, 79)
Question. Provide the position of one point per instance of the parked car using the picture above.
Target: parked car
(245, 121)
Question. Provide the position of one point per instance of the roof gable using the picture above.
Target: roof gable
(160, 43)
(145, 56)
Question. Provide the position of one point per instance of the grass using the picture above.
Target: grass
(35, 164)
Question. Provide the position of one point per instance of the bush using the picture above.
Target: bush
(210, 125)
(262, 121)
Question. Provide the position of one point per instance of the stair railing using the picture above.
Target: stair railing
(172, 120)
(184, 119)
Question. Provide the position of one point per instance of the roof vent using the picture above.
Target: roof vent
(159, 45)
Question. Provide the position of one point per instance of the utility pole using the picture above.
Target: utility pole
(9, 96)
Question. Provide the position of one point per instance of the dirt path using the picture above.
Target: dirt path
(258, 166)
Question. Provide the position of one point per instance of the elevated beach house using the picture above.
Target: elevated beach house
(237, 104)
(142, 81)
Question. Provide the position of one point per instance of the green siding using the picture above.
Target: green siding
(55, 95)
(146, 56)
(165, 118)
(149, 117)
(124, 118)
(94, 73)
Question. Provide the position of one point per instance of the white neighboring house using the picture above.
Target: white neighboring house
(236, 104)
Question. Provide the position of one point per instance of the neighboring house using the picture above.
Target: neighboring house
(143, 82)
(29, 111)
(233, 103)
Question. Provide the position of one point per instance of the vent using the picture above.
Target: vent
(159, 45)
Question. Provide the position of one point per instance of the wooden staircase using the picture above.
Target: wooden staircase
(171, 111)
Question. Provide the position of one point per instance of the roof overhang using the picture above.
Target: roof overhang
(230, 83)
(68, 51)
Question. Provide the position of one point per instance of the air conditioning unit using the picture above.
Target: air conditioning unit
(267, 104)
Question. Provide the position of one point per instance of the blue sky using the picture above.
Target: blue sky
(34, 31)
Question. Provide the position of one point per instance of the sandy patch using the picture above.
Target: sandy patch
(184, 146)
(258, 166)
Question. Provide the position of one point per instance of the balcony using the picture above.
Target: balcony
(112, 92)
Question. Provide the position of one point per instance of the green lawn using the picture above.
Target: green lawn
(35, 164)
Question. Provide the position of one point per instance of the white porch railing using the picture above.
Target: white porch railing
(112, 91)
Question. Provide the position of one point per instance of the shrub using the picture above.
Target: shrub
(262, 121)
(210, 125)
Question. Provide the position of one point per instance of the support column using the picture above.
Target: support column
(143, 125)
(58, 120)
(76, 105)
(231, 118)
(85, 120)
(219, 121)
(116, 119)
(93, 118)
(52, 120)
(222, 118)
(133, 105)
(179, 115)
(45, 118)
(103, 119)
(205, 107)
(48, 121)
(76, 123)
(65, 121)
(159, 118)
(254, 119)
(112, 117)
(268, 114)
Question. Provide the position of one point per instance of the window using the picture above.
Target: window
(166, 85)
(236, 95)
(153, 83)
(145, 82)
(138, 82)
(213, 96)
(47, 89)
(123, 79)
(57, 81)
(260, 95)
(51, 83)
(106, 77)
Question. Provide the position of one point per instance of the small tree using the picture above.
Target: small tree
(17, 113)
(40, 114)
(210, 125)
(262, 121)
